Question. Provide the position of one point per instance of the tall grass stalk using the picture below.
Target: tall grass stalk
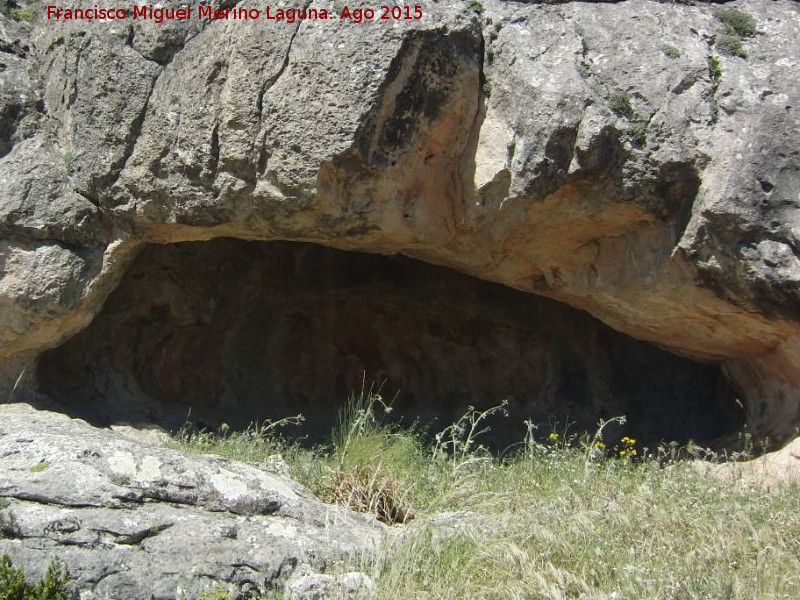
(16, 385)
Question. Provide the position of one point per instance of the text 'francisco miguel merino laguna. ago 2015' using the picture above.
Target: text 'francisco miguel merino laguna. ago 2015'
(209, 12)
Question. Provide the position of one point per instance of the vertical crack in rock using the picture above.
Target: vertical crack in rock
(466, 165)
(214, 153)
(271, 81)
(261, 161)
(108, 181)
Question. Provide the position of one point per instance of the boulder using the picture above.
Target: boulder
(139, 521)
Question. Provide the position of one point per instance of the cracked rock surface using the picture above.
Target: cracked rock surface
(132, 520)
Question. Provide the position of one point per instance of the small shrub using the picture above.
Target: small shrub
(730, 45)
(361, 417)
(620, 103)
(42, 466)
(370, 490)
(4, 503)
(12, 581)
(714, 70)
(638, 134)
(120, 480)
(487, 89)
(670, 50)
(474, 6)
(738, 22)
(8, 527)
(216, 593)
(220, 592)
(25, 14)
(14, 586)
(373, 465)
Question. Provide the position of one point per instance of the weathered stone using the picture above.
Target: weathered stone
(770, 471)
(557, 149)
(304, 584)
(141, 521)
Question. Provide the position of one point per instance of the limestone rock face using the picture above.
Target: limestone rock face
(607, 155)
(137, 521)
(307, 585)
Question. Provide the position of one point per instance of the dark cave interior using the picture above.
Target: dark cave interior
(234, 331)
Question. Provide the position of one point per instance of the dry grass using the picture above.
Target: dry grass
(370, 490)
(624, 530)
(560, 519)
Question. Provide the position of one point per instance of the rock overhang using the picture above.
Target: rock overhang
(623, 181)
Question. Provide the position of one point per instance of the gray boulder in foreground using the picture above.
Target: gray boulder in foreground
(134, 521)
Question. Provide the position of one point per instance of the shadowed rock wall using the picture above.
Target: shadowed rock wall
(236, 331)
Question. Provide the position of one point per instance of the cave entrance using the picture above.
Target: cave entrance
(234, 331)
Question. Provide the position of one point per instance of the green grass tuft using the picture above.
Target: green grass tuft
(30, 14)
(714, 70)
(474, 6)
(738, 22)
(620, 104)
(638, 134)
(120, 480)
(670, 50)
(730, 45)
